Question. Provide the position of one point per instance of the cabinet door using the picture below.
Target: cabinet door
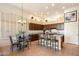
(71, 32)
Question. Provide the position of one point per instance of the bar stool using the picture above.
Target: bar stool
(48, 41)
(54, 42)
(41, 40)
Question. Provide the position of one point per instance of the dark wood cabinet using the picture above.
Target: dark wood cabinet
(34, 37)
(50, 26)
(33, 26)
(59, 26)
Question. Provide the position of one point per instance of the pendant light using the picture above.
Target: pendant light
(22, 21)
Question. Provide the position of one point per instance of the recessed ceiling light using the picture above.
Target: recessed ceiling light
(53, 5)
(63, 7)
(46, 7)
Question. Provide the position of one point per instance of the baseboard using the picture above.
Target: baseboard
(71, 43)
(4, 42)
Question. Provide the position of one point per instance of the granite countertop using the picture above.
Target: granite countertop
(58, 36)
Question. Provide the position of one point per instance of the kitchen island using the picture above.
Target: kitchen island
(52, 41)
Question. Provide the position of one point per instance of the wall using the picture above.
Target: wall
(8, 22)
(0, 25)
(58, 20)
(9, 15)
(71, 28)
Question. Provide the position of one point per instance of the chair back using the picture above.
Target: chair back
(30, 37)
(10, 37)
(41, 36)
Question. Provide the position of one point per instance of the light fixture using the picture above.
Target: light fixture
(21, 20)
(32, 17)
(46, 7)
(52, 4)
(63, 7)
(46, 20)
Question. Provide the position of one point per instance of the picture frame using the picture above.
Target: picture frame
(70, 16)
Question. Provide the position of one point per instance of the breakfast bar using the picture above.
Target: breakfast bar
(52, 41)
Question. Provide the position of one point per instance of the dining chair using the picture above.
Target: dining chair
(13, 44)
(21, 40)
(27, 41)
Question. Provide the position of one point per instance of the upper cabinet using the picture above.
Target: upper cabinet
(58, 26)
(33, 26)
(50, 26)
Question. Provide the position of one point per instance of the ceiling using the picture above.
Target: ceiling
(45, 11)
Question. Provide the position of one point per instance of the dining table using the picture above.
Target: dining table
(22, 41)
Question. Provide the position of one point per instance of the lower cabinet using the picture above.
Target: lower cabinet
(34, 37)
